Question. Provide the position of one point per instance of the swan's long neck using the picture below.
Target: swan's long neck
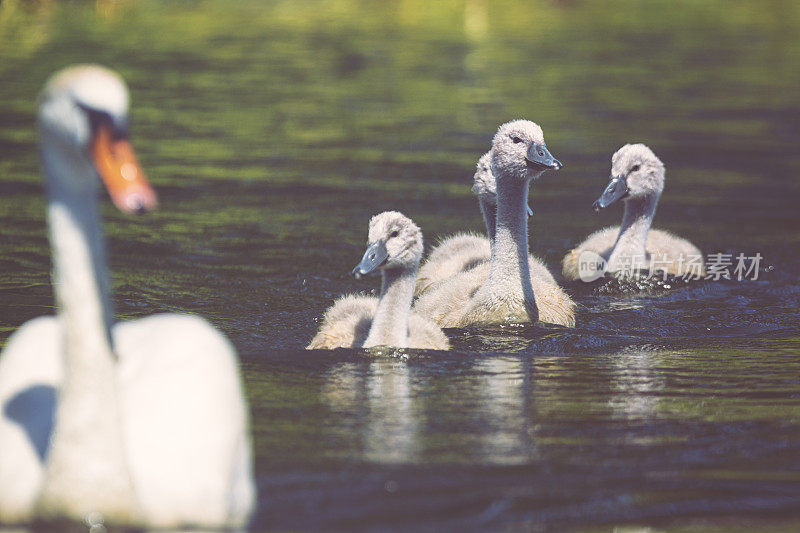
(86, 468)
(79, 266)
(510, 270)
(630, 250)
(489, 211)
(390, 323)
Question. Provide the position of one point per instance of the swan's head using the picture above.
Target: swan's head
(483, 183)
(636, 172)
(83, 117)
(394, 242)
(519, 151)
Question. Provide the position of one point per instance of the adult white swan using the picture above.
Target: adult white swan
(139, 423)
(637, 178)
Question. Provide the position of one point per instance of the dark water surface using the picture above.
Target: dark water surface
(273, 132)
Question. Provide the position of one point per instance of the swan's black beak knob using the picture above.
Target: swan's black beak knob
(138, 205)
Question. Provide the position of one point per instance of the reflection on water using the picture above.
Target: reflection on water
(639, 434)
(273, 131)
(637, 383)
(502, 392)
(383, 398)
(391, 436)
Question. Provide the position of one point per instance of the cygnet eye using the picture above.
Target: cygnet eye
(393, 234)
(516, 140)
(636, 167)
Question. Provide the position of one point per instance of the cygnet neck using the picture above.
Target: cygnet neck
(510, 270)
(488, 205)
(390, 323)
(630, 251)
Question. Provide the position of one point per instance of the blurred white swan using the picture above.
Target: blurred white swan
(141, 423)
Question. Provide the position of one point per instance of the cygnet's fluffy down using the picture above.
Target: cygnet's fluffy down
(463, 251)
(457, 253)
(447, 301)
(637, 178)
(513, 287)
(394, 248)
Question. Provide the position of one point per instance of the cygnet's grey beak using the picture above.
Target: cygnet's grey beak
(375, 256)
(616, 189)
(540, 158)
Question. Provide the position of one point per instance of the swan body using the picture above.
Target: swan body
(513, 286)
(164, 449)
(637, 177)
(445, 306)
(463, 251)
(662, 245)
(140, 423)
(355, 321)
(456, 253)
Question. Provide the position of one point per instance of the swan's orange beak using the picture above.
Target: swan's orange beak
(124, 178)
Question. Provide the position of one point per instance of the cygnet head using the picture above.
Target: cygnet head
(394, 241)
(483, 183)
(636, 172)
(83, 120)
(519, 151)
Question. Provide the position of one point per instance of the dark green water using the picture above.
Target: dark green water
(274, 131)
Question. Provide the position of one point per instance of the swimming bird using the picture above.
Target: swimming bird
(139, 423)
(485, 188)
(464, 251)
(394, 248)
(506, 289)
(637, 178)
